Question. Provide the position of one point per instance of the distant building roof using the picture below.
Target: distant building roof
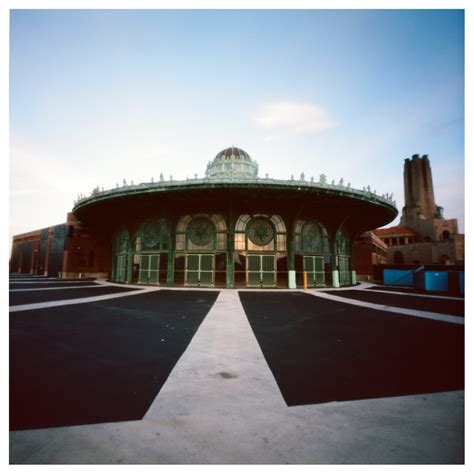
(396, 230)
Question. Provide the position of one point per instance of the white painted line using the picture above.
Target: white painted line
(48, 282)
(90, 299)
(57, 288)
(392, 309)
(410, 294)
(32, 278)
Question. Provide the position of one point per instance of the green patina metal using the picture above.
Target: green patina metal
(122, 256)
(200, 240)
(236, 183)
(261, 270)
(344, 250)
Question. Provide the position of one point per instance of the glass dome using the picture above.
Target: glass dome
(232, 163)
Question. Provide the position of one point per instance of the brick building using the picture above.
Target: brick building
(423, 236)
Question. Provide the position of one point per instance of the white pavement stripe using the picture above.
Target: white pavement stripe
(392, 309)
(410, 294)
(32, 279)
(29, 282)
(57, 288)
(90, 299)
(221, 377)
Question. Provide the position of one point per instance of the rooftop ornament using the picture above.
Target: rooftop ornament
(234, 165)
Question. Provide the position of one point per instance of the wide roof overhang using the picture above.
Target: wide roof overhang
(359, 210)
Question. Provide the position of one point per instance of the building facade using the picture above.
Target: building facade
(424, 235)
(370, 251)
(228, 229)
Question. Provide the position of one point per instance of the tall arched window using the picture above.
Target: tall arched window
(310, 237)
(201, 232)
(343, 249)
(260, 233)
(152, 236)
(312, 252)
(200, 258)
(122, 249)
(398, 257)
(150, 260)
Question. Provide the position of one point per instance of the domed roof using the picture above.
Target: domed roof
(233, 152)
(232, 162)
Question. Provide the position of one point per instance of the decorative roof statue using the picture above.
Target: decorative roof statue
(322, 179)
(341, 182)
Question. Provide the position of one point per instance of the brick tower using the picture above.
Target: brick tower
(420, 211)
(419, 194)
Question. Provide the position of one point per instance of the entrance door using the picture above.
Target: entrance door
(149, 269)
(313, 265)
(200, 270)
(261, 270)
(121, 271)
(344, 274)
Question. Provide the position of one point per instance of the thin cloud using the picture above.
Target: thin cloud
(293, 117)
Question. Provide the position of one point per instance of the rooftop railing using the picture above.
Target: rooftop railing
(322, 183)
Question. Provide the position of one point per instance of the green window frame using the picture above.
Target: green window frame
(243, 242)
(201, 233)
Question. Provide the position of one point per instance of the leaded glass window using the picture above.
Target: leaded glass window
(201, 232)
(260, 233)
(153, 236)
(310, 237)
(342, 242)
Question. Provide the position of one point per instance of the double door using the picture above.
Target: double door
(261, 270)
(121, 269)
(344, 271)
(149, 271)
(200, 270)
(313, 265)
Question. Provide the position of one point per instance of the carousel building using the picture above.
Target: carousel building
(228, 229)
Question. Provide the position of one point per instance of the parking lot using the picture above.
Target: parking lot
(104, 373)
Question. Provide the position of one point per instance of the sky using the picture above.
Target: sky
(97, 96)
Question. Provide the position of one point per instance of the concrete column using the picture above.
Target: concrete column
(291, 257)
(352, 262)
(334, 269)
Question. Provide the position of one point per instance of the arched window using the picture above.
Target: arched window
(310, 237)
(152, 236)
(398, 257)
(122, 248)
(201, 232)
(260, 233)
(343, 245)
(446, 235)
(343, 250)
(122, 242)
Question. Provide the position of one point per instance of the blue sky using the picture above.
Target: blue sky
(98, 96)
